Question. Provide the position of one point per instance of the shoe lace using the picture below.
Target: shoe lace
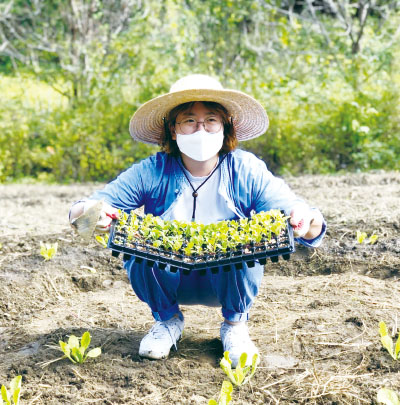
(158, 330)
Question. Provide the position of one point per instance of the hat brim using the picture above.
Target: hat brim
(249, 116)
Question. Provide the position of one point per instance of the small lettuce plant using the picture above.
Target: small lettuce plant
(387, 342)
(242, 373)
(76, 351)
(225, 396)
(102, 239)
(362, 237)
(387, 397)
(12, 396)
(48, 250)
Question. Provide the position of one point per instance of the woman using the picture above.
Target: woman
(200, 175)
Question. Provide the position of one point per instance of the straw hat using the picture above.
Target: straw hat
(249, 117)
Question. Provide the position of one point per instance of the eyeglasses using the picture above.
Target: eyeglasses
(189, 125)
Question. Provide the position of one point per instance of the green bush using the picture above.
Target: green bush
(89, 142)
(330, 108)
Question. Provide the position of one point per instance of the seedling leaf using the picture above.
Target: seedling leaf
(387, 343)
(94, 352)
(85, 341)
(73, 341)
(15, 383)
(76, 354)
(372, 239)
(225, 396)
(65, 348)
(387, 397)
(15, 388)
(397, 348)
(226, 393)
(386, 340)
(16, 396)
(48, 250)
(383, 329)
(242, 360)
(226, 366)
(4, 394)
(361, 236)
(227, 358)
(102, 240)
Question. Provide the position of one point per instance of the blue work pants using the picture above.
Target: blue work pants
(163, 290)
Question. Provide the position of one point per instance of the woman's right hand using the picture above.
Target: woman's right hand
(107, 214)
(92, 216)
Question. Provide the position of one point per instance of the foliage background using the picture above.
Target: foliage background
(73, 72)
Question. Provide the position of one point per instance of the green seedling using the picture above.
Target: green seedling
(48, 250)
(372, 239)
(362, 237)
(242, 373)
(12, 397)
(102, 239)
(75, 351)
(387, 397)
(192, 238)
(387, 342)
(225, 396)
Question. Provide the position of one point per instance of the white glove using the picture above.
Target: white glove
(106, 213)
(97, 216)
(301, 218)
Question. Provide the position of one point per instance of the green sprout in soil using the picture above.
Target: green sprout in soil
(362, 237)
(74, 351)
(102, 239)
(192, 238)
(225, 396)
(48, 250)
(77, 352)
(242, 373)
(387, 342)
(387, 397)
(12, 396)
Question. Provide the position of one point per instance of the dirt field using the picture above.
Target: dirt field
(315, 320)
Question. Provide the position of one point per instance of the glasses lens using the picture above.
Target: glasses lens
(188, 126)
(211, 125)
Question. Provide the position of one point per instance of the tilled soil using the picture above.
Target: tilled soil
(315, 320)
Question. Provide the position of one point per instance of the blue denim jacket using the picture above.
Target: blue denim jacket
(246, 184)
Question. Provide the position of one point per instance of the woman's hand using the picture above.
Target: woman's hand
(92, 215)
(107, 214)
(306, 223)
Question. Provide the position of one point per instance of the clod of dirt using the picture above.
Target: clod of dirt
(88, 283)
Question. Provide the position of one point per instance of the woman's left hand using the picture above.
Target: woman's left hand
(306, 223)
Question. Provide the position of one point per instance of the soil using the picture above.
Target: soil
(315, 320)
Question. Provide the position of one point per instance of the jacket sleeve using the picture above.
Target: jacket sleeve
(270, 192)
(128, 191)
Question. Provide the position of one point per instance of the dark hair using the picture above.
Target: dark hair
(170, 146)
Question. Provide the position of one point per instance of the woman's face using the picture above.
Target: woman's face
(198, 113)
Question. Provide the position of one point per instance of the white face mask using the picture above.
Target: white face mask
(200, 145)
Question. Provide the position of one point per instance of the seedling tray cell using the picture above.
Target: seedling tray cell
(141, 249)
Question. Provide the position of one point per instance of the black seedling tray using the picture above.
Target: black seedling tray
(277, 246)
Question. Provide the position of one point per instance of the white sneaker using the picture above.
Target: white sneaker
(236, 340)
(161, 337)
